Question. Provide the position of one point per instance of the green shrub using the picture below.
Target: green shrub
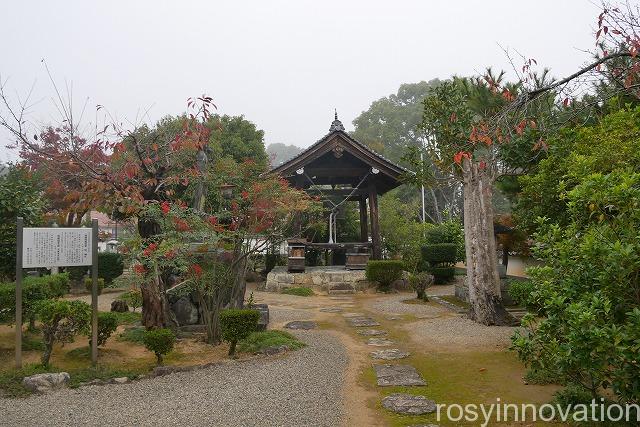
(57, 285)
(384, 272)
(439, 253)
(450, 231)
(76, 274)
(33, 291)
(110, 266)
(420, 282)
(61, 320)
(258, 341)
(107, 325)
(133, 298)
(88, 284)
(442, 275)
(521, 291)
(160, 342)
(127, 317)
(237, 324)
(301, 292)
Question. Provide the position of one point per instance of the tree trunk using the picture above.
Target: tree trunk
(482, 260)
(154, 300)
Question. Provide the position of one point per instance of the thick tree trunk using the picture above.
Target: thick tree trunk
(154, 300)
(482, 260)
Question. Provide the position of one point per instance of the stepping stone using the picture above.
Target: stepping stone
(379, 342)
(348, 315)
(398, 375)
(371, 332)
(331, 310)
(393, 318)
(301, 324)
(341, 298)
(360, 322)
(389, 354)
(401, 403)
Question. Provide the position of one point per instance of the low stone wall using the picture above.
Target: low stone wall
(325, 279)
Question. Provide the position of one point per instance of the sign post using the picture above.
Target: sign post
(57, 247)
(94, 292)
(19, 226)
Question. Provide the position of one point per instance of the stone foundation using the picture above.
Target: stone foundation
(324, 279)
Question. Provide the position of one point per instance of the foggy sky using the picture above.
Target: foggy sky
(285, 65)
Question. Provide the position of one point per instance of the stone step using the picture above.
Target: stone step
(398, 375)
(341, 291)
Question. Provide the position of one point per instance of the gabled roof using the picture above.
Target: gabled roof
(338, 137)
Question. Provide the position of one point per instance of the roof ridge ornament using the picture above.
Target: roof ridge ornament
(337, 124)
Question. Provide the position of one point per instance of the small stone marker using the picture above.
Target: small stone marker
(379, 342)
(332, 310)
(408, 404)
(398, 375)
(389, 354)
(360, 322)
(371, 332)
(301, 324)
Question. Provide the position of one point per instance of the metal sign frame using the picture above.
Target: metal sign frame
(94, 290)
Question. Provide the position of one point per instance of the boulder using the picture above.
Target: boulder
(119, 306)
(43, 383)
(185, 311)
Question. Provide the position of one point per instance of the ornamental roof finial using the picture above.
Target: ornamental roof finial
(337, 124)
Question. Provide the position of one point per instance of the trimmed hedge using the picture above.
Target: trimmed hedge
(439, 253)
(160, 342)
(237, 324)
(88, 284)
(34, 289)
(384, 272)
(110, 266)
(442, 274)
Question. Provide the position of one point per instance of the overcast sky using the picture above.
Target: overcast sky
(285, 65)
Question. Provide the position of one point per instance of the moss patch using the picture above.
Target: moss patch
(301, 291)
(258, 341)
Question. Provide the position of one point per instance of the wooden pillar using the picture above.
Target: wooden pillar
(364, 222)
(375, 227)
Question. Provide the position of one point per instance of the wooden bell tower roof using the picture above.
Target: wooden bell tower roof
(338, 159)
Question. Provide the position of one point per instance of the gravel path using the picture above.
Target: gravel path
(458, 333)
(303, 388)
(394, 305)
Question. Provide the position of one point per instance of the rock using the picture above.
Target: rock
(331, 310)
(186, 312)
(408, 404)
(301, 324)
(43, 383)
(120, 380)
(274, 349)
(389, 354)
(371, 332)
(379, 342)
(119, 306)
(352, 315)
(398, 375)
(393, 318)
(359, 322)
(264, 315)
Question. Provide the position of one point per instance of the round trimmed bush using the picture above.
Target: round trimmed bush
(160, 342)
(110, 266)
(107, 325)
(384, 272)
(237, 324)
